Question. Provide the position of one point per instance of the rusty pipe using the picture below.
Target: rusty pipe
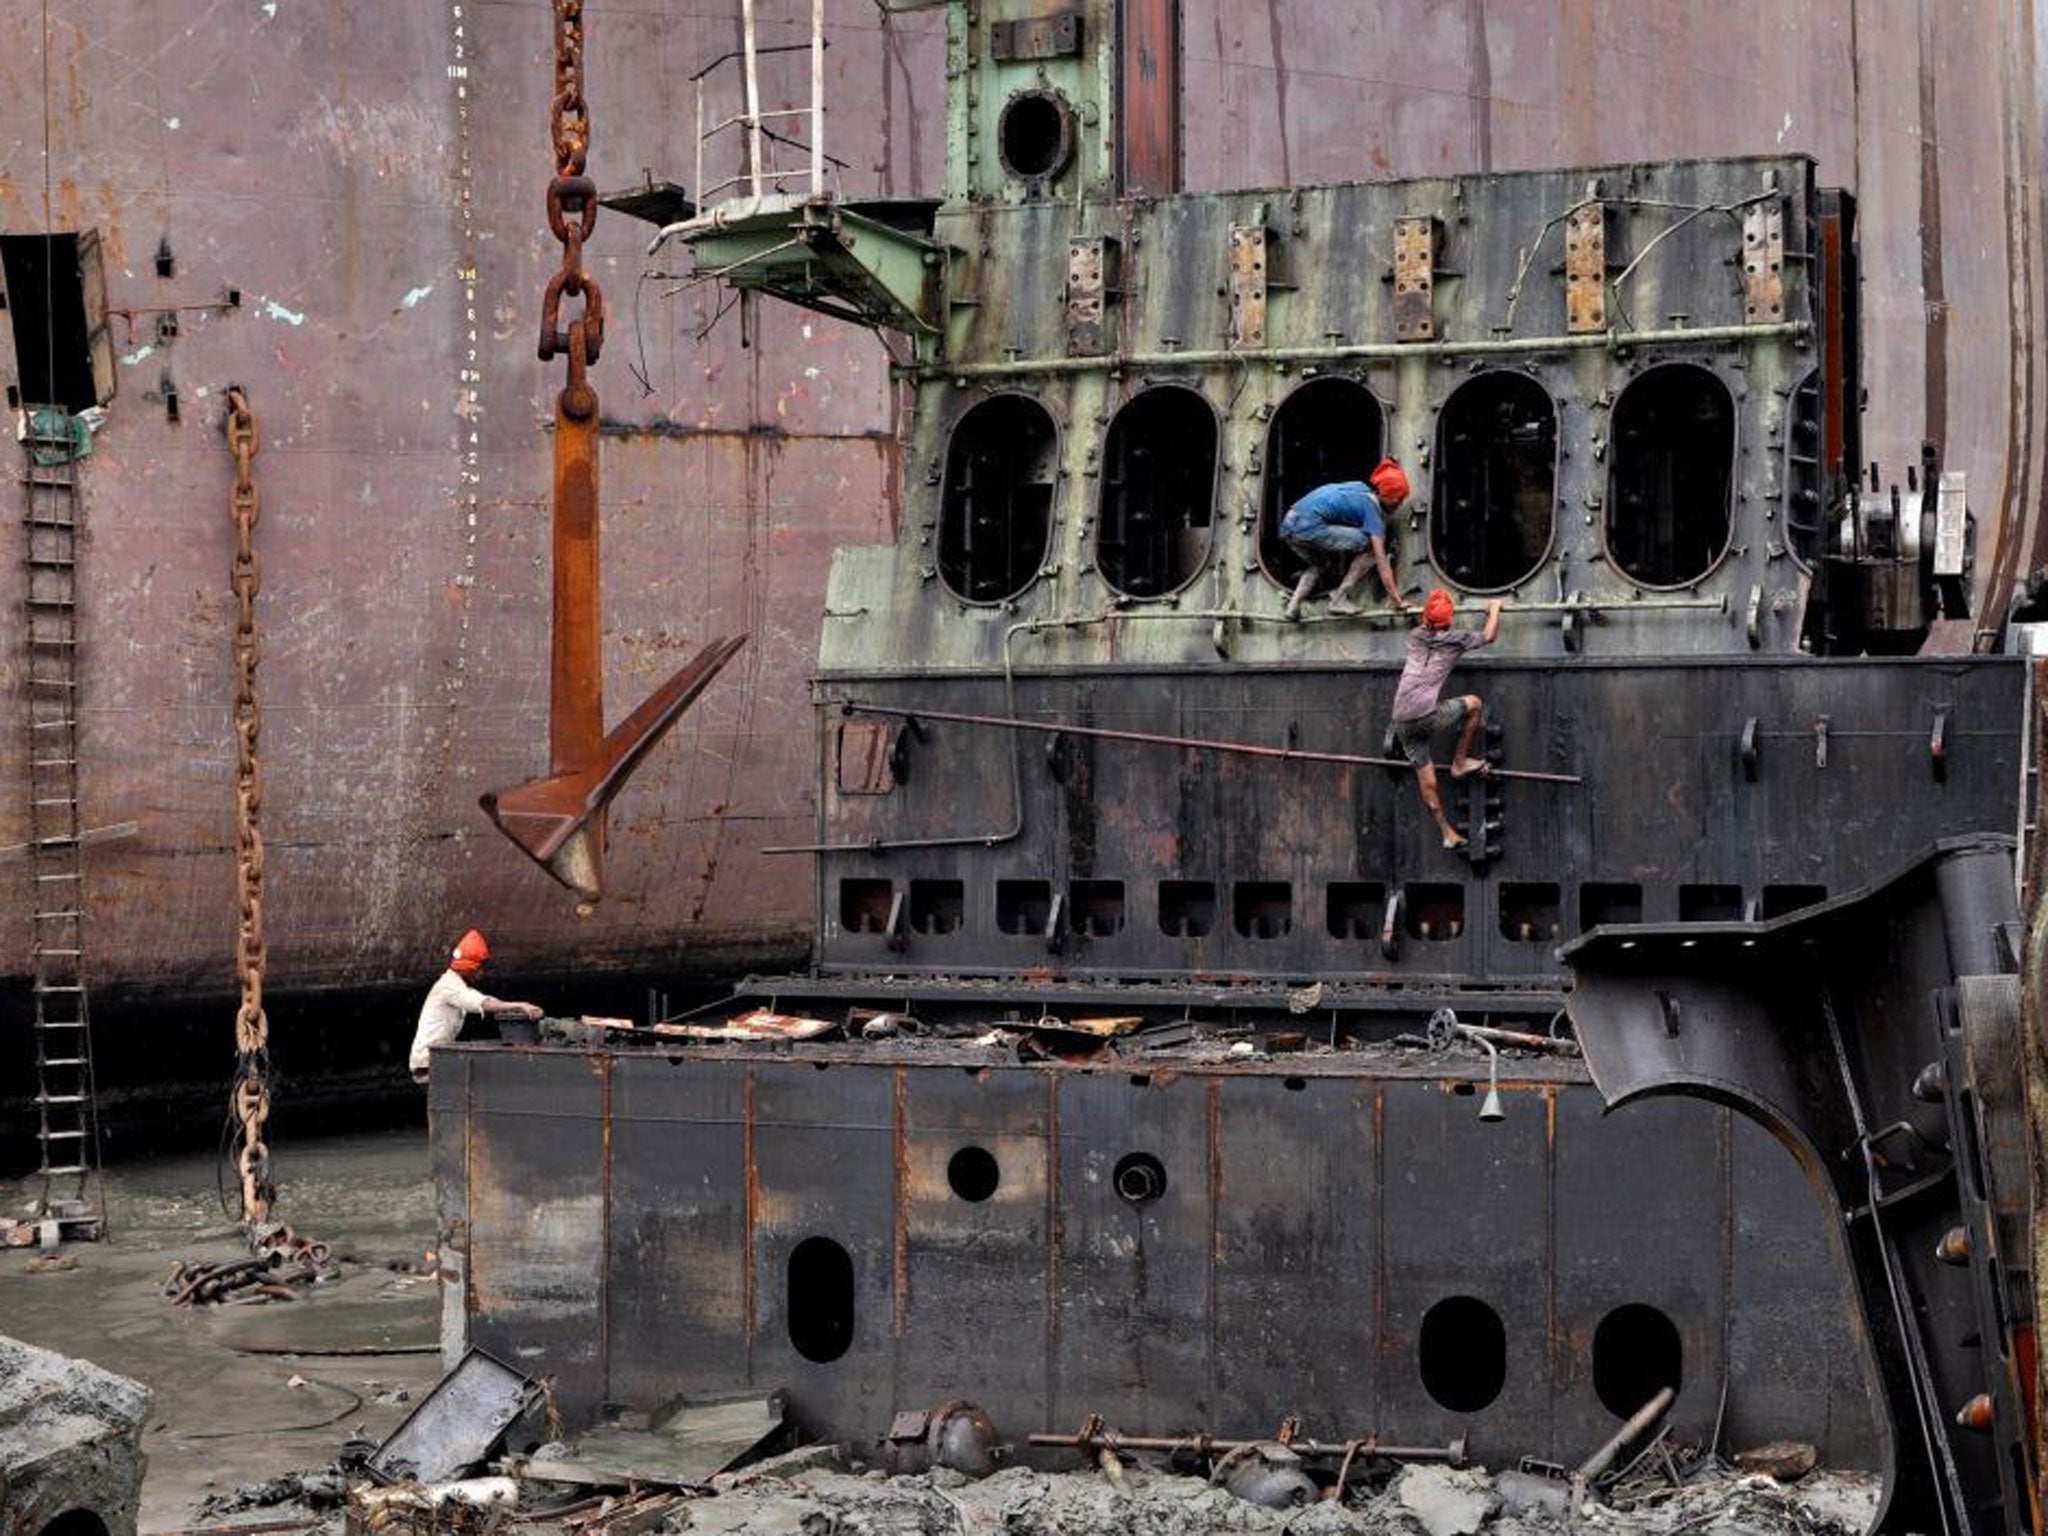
(1155, 738)
(1638, 1422)
(1452, 1454)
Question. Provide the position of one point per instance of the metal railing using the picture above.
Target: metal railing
(758, 174)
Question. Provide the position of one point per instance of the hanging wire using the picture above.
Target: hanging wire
(49, 234)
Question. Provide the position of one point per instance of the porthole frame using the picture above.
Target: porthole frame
(1201, 565)
(1053, 507)
(1549, 550)
(1611, 501)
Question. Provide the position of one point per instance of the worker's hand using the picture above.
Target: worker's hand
(531, 1010)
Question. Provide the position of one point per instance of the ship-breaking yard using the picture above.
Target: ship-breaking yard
(1328, 805)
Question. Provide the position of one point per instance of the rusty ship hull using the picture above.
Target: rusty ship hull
(368, 187)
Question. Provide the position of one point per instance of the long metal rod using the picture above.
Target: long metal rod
(1498, 347)
(1198, 743)
(1454, 1453)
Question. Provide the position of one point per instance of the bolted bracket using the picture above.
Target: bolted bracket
(1585, 269)
(1414, 279)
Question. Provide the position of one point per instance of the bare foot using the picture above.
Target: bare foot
(1342, 604)
(1469, 767)
(1454, 839)
(1294, 609)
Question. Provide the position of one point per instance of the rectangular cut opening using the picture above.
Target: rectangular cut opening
(1262, 909)
(1436, 913)
(1352, 909)
(937, 906)
(1187, 908)
(864, 905)
(1098, 907)
(1023, 906)
(1531, 913)
(56, 298)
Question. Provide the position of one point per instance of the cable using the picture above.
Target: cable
(355, 1401)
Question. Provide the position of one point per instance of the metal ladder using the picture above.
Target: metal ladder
(68, 1132)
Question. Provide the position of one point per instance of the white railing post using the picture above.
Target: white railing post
(817, 98)
(753, 97)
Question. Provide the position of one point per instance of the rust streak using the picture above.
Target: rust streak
(1553, 1328)
(604, 1218)
(1215, 1132)
(1052, 1245)
(751, 1178)
(1933, 284)
(901, 1266)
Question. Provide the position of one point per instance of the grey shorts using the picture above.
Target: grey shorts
(1414, 735)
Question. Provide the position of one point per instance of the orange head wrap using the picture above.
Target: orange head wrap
(1437, 609)
(470, 953)
(1389, 482)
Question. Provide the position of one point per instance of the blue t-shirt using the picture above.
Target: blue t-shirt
(1340, 504)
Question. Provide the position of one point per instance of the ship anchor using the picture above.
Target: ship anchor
(559, 820)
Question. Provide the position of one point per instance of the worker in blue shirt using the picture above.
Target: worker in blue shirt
(1346, 517)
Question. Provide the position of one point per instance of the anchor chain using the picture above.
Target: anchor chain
(250, 1100)
(572, 215)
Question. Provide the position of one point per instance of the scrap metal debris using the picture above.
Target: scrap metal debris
(677, 1449)
(282, 1259)
(459, 1424)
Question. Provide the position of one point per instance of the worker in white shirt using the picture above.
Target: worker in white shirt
(453, 996)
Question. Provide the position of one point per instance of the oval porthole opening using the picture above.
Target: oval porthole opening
(973, 1174)
(1493, 511)
(1035, 135)
(1139, 1178)
(1330, 429)
(1671, 469)
(820, 1299)
(1463, 1354)
(996, 502)
(1637, 1352)
(1158, 491)
(75, 1522)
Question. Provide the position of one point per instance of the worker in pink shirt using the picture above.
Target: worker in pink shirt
(1434, 648)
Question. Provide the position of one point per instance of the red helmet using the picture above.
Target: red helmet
(470, 952)
(1437, 609)
(1389, 482)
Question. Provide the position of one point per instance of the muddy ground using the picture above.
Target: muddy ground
(222, 1416)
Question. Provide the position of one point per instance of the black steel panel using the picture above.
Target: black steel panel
(537, 1166)
(1297, 1256)
(676, 1294)
(824, 1165)
(1469, 1212)
(1303, 1233)
(1797, 1371)
(1642, 1220)
(974, 1308)
(1131, 1309)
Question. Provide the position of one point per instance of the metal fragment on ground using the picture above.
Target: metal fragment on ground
(684, 1449)
(458, 1424)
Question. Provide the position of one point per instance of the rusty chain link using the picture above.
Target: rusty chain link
(250, 1101)
(572, 214)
